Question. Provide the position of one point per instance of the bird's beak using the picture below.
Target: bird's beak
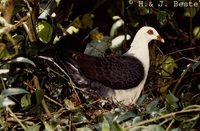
(160, 39)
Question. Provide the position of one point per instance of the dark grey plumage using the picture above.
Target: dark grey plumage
(117, 72)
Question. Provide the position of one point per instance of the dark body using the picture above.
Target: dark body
(116, 72)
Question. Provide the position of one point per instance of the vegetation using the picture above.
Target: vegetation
(37, 93)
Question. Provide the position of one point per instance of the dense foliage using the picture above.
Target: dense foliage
(37, 93)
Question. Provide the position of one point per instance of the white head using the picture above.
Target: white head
(147, 34)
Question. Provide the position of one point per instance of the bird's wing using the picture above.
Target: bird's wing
(122, 72)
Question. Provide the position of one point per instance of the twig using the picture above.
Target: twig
(55, 102)
(70, 122)
(185, 58)
(51, 60)
(15, 117)
(4, 22)
(165, 121)
(71, 83)
(182, 76)
(182, 50)
(46, 109)
(163, 116)
(170, 124)
(28, 5)
(44, 105)
(9, 27)
(28, 31)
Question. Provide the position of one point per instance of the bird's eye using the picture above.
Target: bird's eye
(150, 32)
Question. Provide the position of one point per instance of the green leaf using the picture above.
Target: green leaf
(143, 11)
(79, 117)
(154, 128)
(97, 48)
(195, 66)
(162, 17)
(13, 91)
(44, 31)
(26, 100)
(191, 12)
(167, 65)
(142, 99)
(105, 125)
(137, 119)
(151, 107)
(33, 128)
(39, 96)
(69, 104)
(87, 21)
(5, 101)
(4, 52)
(57, 2)
(84, 129)
(23, 60)
(172, 100)
(196, 32)
(125, 116)
(117, 127)
(48, 127)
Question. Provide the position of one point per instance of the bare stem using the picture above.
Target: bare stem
(15, 117)
(173, 114)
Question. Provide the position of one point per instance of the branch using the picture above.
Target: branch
(183, 75)
(173, 114)
(15, 117)
(71, 83)
(9, 27)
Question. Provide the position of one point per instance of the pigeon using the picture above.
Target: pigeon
(119, 78)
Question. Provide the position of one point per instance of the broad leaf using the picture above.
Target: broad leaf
(79, 117)
(154, 128)
(69, 104)
(13, 91)
(105, 125)
(119, 23)
(57, 2)
(4, 71)
(142, 99)
(39, 96)
(26, 100)
(44, 31)
(125, 116)
(172, 100)
(33, 128)
(151, 107)
(117, 127)
(23, 60)
(196, 32)
(98, 48)
(87, 21)
(48, 127)
(162, 17)
(5, 101)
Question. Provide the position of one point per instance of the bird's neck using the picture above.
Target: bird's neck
(139, 49)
